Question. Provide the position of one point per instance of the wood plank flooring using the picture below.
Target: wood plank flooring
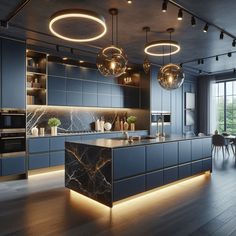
(205, 205)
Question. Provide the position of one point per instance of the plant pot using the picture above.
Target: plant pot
(54, 130)
(132, 126)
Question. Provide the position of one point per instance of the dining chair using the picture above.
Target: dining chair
(219, 142)
(233, 146)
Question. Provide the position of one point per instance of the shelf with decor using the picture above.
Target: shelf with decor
(36, 83)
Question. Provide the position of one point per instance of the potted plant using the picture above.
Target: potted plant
(54, 123)
(131, 120)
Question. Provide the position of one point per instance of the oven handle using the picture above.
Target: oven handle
(12, 114)
(10, 138)
(13, 154)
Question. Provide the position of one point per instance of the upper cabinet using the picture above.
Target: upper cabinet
(13, 74)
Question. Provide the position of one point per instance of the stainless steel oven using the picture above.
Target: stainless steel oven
(12, 142)
(12, 120)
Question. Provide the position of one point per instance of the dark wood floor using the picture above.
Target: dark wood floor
(205, 205)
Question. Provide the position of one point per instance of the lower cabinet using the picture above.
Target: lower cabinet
(0, 167)
(154, 179)
(196, 167)
(57, 158)
(207, 164)
(184, 171)
(170, 175)
(39, 160)
(128, 187)
(13, 165)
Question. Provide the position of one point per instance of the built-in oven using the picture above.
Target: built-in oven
(12, 120)
(12, 142)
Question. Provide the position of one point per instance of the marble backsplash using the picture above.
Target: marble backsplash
(80, 119)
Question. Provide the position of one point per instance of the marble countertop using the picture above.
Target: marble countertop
(119, 142)
(76, 134)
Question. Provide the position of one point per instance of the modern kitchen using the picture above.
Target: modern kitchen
(117, 117)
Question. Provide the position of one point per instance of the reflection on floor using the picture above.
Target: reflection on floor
(201, 206)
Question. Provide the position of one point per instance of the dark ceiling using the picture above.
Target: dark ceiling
(194, 43)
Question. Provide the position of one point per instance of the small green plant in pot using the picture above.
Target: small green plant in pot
(54, 123)
(132, 120)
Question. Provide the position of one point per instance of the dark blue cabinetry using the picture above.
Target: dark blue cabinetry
(184, 170)
(196, 167)
(56, 69)
(57, 143)
(57, 158)
(184, 151)
(13, 165)
(170, 154)
(207, 164)
(170, 175)
(154, 179)
(154, 157)
(206, 147)
(196, 149)
(38, 160)
(13, 70)
(38, 145)
(128, 162)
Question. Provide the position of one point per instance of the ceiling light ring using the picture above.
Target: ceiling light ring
(77, 13)
(160, 43)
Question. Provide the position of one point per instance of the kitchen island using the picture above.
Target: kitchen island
(108, 170)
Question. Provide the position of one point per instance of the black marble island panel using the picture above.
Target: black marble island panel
(88, 171)
(109, 170)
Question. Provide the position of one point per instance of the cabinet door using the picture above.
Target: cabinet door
(154, 157)
(56, 83)
(196, 167)
(39, 160)
(13, 165)
(74, 85)
(206, 147)
(170, 154)
(207, 164)
(128, 187)
(104, 88)
(170, 175)
(57, 143)
(196, 149)
(128, 162)
(56, 97)
(104, 100)
(74, 99)
(89, 87)
(0, 80)
(184, 171)
(57, 158)
(90, 99)
(184, 151)
(154, 179)
(56, 69)
(116, 101)
(13, 74)
(38, 145)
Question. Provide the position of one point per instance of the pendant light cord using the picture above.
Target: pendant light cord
(112, 36)
(117, 30)
(170, 48)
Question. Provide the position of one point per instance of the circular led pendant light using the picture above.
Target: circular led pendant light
(146, 63)
(112, 60)
(60, 18)
(170, 76)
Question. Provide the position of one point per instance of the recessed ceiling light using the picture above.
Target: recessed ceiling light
(81, 61)
(129, 1)
(79, 14)
(64, 58)
(129, 68)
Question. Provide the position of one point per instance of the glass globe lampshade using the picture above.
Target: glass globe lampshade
(112, 61)
(146, 65)
(171, 76)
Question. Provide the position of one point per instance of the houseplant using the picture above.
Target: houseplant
(54, 123)
(131, 120)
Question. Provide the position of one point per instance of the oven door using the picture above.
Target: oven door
(12, 143)
(12, 121)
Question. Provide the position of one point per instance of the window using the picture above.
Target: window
(225, 100)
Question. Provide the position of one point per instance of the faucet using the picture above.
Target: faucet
(161, 119)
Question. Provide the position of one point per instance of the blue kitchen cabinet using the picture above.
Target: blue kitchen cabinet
(0, 79)
(104, 100)
(196, 149)
(88, 74)
(57, 143)
(73, 138)
(74, 98)
(56, 69)
(154, 179)
(116, 101)
(13, 71)
(170, 175)
(57, 158)
(128, 162)
(170, 154)
(184, 170)
(90, 99)
(74, 85)
(57, 98)
(207, 164)
(13, 165)
(38, 160)
(104, 88)
(56, 83)
(38, 145)
(128, 187)
(206, 147)
(73, 72)
(154, 157)
(89, 87)
(166, 97)
(184, 151)
(196, 167)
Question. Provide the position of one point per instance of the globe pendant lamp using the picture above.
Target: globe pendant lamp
(146, 63)
(170, 76)
(112, 60)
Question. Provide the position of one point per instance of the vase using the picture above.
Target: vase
(132, 126)
(54, 130)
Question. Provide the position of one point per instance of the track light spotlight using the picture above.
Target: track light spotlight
(202, 61)
(198, 61)
(234, 71)
(229, 54)
(57, 48)
(221, 35)
(234, 43)
(181, 65)
(205, 28)
(164, 6)
(72, 51)
(200, 72)
(180, 14)
(217, 58)
(193, 21)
